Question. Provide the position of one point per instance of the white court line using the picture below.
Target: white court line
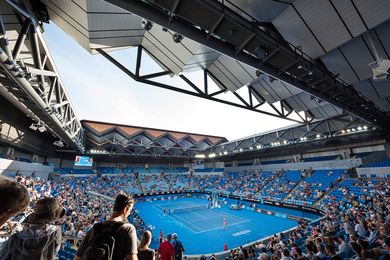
(179, 223)
(222, 227)
(210, 229)
(207, 230)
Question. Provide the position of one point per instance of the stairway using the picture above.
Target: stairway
(141, 189)
(335, 186)
(292, 190)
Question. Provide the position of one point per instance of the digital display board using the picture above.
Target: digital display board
(83, 161)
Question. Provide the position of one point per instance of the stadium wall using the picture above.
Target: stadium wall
(10, 167)
(381, 172)
(322, 165)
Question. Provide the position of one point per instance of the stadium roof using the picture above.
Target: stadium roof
(339, 41)
(116, 139)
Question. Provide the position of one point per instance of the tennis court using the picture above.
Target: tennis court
(198, 218)
(202, 230)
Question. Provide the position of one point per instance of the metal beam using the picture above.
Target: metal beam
(195, 30)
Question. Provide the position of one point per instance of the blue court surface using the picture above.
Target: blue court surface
(202, 230)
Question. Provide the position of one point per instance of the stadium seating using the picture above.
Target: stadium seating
(312, 188)
(108, 170)
(321, 158)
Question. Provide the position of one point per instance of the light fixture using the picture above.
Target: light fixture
(212, 155)
(285, 142)
(34, 127)
(318, 136)
(200, 155)
(177, 37)
(225, 152)
(343, 131)
(359, 128)
(240, 149)
(353, 129)
(146, 24)
(42, 128)
(365, 127)
(258, 147)
(271, 79)
(59, 143)
(348, 130)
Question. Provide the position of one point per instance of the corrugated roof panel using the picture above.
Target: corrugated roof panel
(322, 19)
(336, 63)
(293, 29)
(358, 55)
(350, 16)
(373, 12)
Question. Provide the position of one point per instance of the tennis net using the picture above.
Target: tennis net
(187, 209)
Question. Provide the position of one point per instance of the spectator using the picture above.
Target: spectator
(144, 252)
(116, 227)
(343, 246)
(286, 255)
(178, 247)
(330, 251)
(357, 250)
(39, 239)
(14, 198)
(166, 250)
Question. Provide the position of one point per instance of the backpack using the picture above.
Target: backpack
(102, 243)
(178, 248)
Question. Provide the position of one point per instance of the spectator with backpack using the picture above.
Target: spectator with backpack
(178, 247)
(114, 239)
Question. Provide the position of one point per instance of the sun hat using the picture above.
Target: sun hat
(45, 211)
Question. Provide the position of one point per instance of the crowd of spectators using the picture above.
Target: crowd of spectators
(357, 223)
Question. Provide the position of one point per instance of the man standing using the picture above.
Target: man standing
(178, 247)
(166, 250)
(115, 229)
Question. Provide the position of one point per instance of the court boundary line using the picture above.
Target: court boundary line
(210, 229)
(179, 224)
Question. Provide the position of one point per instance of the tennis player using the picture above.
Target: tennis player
(165, 211)
(225, 223)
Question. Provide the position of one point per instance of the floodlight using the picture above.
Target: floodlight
(365, 127)
(318, 136)
(359, 128)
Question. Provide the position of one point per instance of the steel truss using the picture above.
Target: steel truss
(342, 125)
(117, 142)
(230, 33)
(247, 101)
(29, 78)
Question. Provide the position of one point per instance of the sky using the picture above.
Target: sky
(100, 91)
